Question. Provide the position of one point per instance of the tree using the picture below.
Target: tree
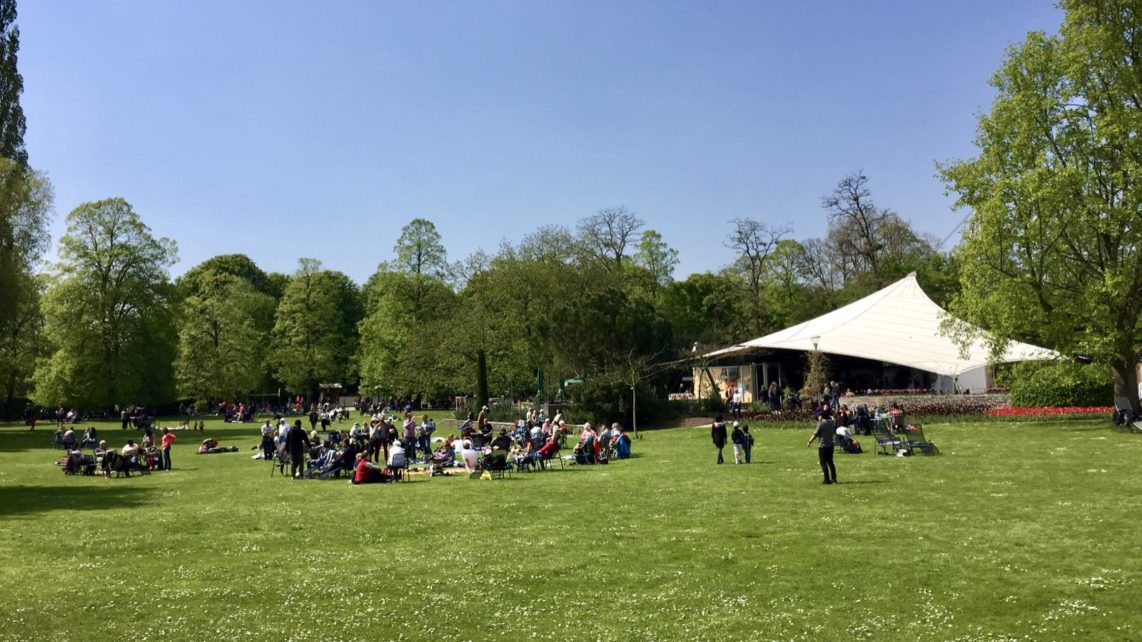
(21, 341)
(402, 347)
(107, 312)
(656, 257)
(238, 265)
(1052, 251)
(419, 250)
(25, 201)
(221, 349)
(608, 233)
(12, 123)
(754, 241)
(314, 337)
(874, 246)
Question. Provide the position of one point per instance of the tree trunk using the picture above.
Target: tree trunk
(1126, 381)
(481, 379)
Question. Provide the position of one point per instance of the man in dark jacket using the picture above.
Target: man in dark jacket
(718, 435)
(297, 443)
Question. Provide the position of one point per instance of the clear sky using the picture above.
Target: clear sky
(282, 128)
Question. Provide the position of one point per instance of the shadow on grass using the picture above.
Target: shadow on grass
(26, 500)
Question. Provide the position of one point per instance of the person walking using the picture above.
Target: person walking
(747, 444)
(718, 436)
(738, 439)
(166, 442)
(825, 434)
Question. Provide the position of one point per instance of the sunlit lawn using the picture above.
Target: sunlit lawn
(1016, 531)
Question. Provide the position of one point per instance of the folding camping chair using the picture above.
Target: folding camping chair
(914, 440)
(886, 442)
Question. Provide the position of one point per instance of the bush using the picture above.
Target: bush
(1061, 384)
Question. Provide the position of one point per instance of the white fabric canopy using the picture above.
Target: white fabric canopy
(898, 324)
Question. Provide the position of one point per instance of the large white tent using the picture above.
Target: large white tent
(898, 324)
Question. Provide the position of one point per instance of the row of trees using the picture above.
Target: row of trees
(106, 325)
(1052, 254)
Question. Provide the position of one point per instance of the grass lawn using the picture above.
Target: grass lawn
(1018, 531)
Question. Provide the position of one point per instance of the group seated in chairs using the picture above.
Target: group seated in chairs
(141, 457)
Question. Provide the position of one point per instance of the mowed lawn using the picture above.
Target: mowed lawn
(1027, 531)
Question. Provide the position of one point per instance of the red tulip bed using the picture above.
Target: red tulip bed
(944, 406)
(1054, 411)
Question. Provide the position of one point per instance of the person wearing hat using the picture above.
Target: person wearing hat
(738, 439)
(718, 436)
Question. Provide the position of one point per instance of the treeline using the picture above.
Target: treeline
(598, 303)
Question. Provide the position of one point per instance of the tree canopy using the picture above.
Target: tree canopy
(1052, 251)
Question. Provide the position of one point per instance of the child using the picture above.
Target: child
(747, 443)
(738, 439)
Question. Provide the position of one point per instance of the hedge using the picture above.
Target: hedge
(1061, 384)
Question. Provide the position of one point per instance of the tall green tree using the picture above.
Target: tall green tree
(1053, 249)
(25, 204)
(419, 254)
(107, 312)
(403, 346)
(22, 345)
(221, 349)
(657, 258)
(754, 241)
(12, 123)
(314, 338)
(871, 246)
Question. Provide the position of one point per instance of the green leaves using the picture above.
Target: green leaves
(315, 330)
(1053, 250)
(107, 312)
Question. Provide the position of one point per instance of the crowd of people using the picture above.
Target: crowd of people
(383, 448)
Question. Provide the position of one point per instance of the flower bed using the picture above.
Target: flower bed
(1018, 411)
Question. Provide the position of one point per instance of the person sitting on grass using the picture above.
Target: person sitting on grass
(621, 441)
(366, 472)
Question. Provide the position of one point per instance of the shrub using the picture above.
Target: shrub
(1061, 384)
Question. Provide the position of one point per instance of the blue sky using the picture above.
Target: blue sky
(282, 129)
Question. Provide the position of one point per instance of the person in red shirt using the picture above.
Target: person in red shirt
(167, 440)
(367, 472)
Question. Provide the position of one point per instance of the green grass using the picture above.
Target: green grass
(1025, 531)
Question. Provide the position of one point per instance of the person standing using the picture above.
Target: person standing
(166, 442)
(718, 436)
(297, 443)
(738, 439)
(427, 427)
(410, 434)
(825, 434)
(747, 444)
